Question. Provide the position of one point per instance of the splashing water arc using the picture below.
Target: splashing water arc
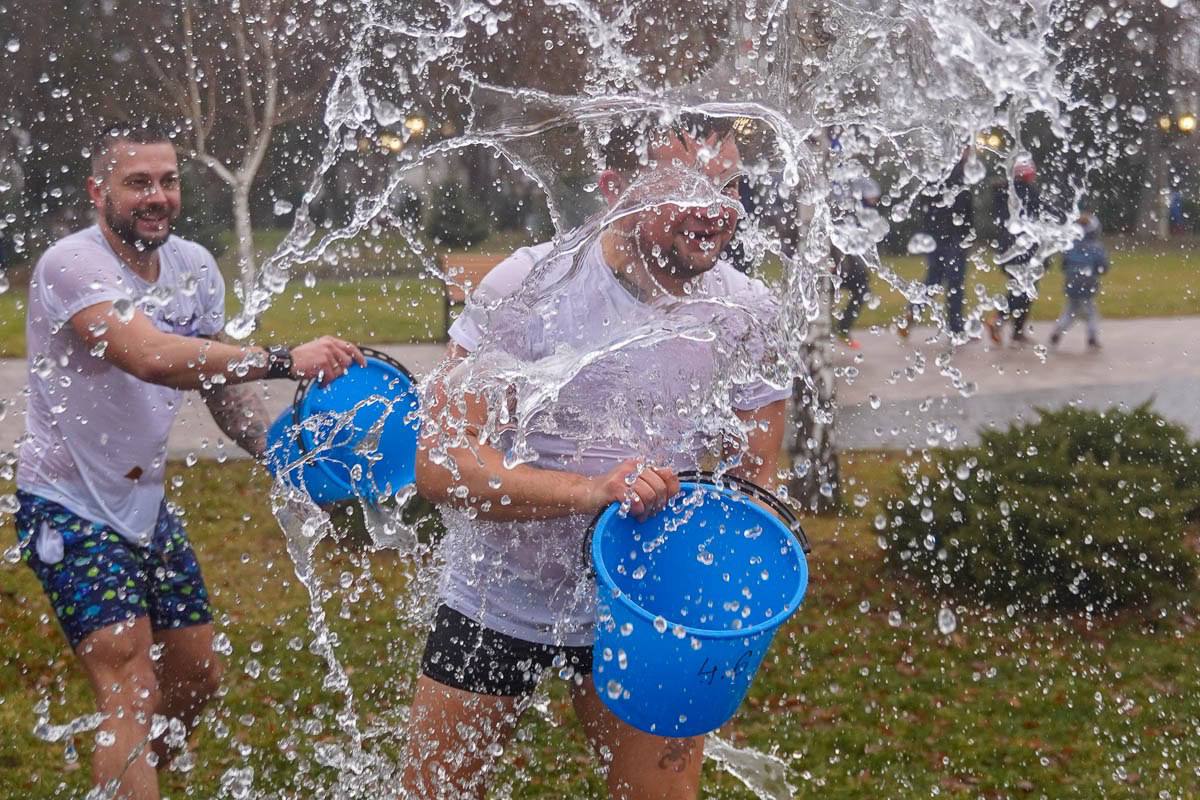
(819, 96)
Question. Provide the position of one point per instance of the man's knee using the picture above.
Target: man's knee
(118, 654)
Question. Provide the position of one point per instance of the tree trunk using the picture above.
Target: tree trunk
(815, 482)
(244, 233)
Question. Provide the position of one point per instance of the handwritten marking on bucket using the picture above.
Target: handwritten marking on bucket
(356, 437)
(689, 601)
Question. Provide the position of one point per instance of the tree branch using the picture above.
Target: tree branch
(238, 28)
(199, 133)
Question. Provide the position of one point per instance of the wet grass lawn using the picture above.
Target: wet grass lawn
(1146, 281)
(861, 693)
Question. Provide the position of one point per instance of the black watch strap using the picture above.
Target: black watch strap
(279, 362)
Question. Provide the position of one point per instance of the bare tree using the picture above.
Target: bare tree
(236, 72)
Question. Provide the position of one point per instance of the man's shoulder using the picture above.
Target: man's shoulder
(82, 242)
(728, 281)
(191, 253)
(508, 275)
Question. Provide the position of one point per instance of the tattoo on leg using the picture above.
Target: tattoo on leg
(676, 755)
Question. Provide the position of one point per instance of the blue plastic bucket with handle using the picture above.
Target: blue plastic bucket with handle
(689, 601)
(355, 437)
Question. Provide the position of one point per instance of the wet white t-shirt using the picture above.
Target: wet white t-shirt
(633, 379)
(97, 436)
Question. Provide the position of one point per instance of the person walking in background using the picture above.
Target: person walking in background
(950, 222)
(852, 269)
(1083, 265)
(1029, 203)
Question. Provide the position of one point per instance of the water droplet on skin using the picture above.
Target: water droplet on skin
(222, 645)
(123, 309)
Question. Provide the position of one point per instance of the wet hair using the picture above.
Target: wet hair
(146, 131)
(629, 142)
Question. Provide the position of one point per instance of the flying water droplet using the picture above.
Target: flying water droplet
(921, 243)
(947, 622)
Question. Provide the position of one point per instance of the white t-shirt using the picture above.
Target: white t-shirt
(680, 368)
(90, 425)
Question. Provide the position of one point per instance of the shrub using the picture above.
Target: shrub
(1081, 510)
(457, 219)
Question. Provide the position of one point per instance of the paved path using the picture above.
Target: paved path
(1156, 359)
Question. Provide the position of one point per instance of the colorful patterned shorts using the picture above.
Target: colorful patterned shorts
(97, 578)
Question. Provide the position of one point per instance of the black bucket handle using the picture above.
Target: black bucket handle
(757, 492)
(305, 384)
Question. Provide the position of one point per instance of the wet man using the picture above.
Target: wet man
(644, 325)
(123, 316)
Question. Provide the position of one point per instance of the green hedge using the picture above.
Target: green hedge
(1081, 510)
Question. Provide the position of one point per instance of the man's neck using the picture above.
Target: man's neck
(144, 263)
(631, 268)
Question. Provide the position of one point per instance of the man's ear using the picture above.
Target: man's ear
(95, 190)
(612, 184)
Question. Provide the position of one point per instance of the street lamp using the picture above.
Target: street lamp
(1184, 123)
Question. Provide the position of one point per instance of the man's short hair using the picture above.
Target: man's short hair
(627, 148)
(147, 131)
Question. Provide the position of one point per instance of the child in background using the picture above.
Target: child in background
(1083, 265)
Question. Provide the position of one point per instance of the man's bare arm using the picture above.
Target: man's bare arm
(760, 463)
(523, 492)
(239, 411)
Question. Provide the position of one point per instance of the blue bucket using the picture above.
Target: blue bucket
(689, 601)
(323, 448)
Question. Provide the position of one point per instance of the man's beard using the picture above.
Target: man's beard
(126, 229)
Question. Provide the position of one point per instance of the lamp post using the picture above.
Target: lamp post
(1172, 128)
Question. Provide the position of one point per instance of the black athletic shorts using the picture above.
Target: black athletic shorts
(463, 654)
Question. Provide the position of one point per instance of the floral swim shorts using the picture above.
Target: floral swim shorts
(95, 578)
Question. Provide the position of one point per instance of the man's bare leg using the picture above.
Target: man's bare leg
(451, 738)
(188, 674)
(117, 662)
(641, 766)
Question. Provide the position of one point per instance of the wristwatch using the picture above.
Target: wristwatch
(279, 362)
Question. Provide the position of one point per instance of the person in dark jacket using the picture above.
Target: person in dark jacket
(1082, 267)
(1029, 201)
(853, 270)
(950, 221)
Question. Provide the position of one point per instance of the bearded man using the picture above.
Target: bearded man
(654, 339)
(123, 316)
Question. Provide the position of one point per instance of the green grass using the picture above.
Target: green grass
(859, 707)
(404, 306)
